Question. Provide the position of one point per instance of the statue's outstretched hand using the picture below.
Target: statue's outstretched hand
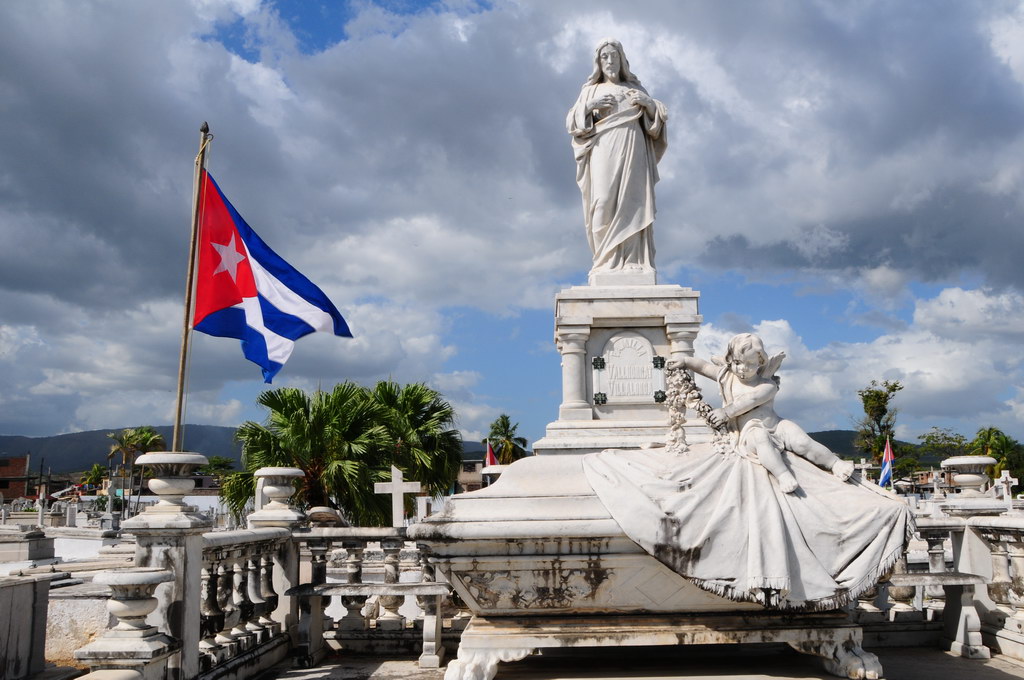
(718, 417)
(676, 364)
(842, 469)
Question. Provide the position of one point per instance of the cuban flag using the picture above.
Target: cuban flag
(244, 290)
(887, 459)
(490, 459)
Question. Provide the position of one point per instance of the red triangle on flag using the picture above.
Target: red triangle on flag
(490, 459)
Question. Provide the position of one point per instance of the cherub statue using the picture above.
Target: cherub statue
(749, 385)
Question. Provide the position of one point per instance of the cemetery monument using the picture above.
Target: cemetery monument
(654, 516)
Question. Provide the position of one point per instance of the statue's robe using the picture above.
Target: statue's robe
(720, 520)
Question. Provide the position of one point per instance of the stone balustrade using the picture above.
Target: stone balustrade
(401, 579)
(292, 585)
(241, 610)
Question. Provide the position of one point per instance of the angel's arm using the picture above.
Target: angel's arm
(705, 368)
(762, 394)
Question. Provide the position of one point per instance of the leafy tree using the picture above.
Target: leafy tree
(217, 466)
(905, 465)
(879, 419)
(943, 442)
(507, 444)
(347, 439)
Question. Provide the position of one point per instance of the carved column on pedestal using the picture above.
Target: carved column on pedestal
(572, 345)
(680, 338)
(169, 535)
(133, 644)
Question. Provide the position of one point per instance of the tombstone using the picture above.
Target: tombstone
(4, 515)
(71, 519)
(1005, 484)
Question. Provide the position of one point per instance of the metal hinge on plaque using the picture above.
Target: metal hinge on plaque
(600, 398)
(660, 397)
(598, 363)
(659, 362)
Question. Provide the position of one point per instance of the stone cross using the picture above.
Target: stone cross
(1007, 482)
(397, 488)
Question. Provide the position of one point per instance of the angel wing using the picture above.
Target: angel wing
(773, 365)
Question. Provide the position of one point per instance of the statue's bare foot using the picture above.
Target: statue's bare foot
(787, 482)
(842, 469)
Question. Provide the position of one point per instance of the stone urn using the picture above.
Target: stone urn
(969, 473)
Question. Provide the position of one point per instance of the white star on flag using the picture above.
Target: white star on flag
(229, 258)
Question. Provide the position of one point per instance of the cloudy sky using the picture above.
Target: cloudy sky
(845, 178)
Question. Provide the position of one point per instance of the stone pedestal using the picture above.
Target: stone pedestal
(615, 341)
(169, 536)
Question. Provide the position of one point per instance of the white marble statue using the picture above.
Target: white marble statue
(763, 514)
(748, 387)
(618, 136)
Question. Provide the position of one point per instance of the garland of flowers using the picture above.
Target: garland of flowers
(682, 393)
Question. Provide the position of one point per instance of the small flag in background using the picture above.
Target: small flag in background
(490, 459)
(887, 459)
(244, 290)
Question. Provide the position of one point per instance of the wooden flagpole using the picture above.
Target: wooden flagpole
(204, 141)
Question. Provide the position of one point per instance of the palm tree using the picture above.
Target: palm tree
(131, 442)
(94, 476)
(991, 441)
(423, 441)
(347, 439)
(334, 437)
(507, 445)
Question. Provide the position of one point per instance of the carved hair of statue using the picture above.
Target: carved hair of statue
(624, 73)
(745, 342)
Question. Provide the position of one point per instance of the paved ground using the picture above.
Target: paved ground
(693, 664)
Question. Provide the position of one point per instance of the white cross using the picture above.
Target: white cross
(1007, 482)
(397, 488)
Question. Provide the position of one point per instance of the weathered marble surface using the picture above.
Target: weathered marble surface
(540, 545)
(613, 403)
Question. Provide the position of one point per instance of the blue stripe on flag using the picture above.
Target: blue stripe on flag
(230, 323)
(283, 324)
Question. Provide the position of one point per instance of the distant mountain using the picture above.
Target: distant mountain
(77, 451)
(840, 442)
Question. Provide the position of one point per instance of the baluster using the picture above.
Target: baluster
(936, 560)
(212, 621)
(253, 585)
(427, 575)
(318, 575)
(225, 602)
(390, 619)
(432, 621)
(353, 619)
(268, 593)
(240, 595)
